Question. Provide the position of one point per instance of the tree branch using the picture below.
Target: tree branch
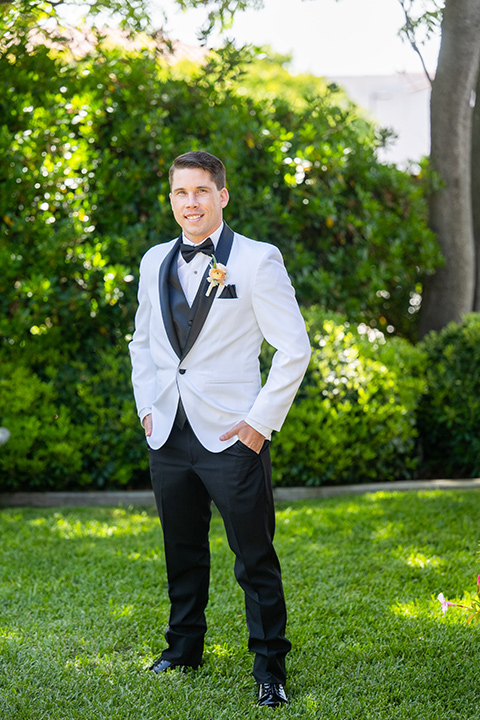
(409, 31)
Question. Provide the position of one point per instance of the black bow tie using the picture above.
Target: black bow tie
(189, 251)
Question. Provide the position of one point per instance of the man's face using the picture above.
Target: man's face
(197, 204)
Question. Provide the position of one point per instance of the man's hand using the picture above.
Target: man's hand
(147, 424)
(247, 434)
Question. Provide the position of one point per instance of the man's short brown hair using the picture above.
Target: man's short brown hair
(204, 161)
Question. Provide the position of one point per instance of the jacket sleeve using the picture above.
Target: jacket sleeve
(283, 327)
(143, 367)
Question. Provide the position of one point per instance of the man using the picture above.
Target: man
(206, 302)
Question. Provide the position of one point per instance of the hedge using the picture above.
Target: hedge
(354, 419)
(84, 153)
(77, 429)
(370, 408)
(449, 411)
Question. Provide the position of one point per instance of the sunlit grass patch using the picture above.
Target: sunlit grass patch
(84, 605)
(420, 560)
(119, 523)
(413, 609)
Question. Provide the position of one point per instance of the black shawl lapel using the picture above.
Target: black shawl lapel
(202, 304)
(164, 296)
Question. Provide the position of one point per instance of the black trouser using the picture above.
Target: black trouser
(185, 478)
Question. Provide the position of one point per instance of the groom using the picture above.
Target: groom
(206, 302)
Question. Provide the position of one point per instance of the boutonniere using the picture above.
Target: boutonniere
(217, 276)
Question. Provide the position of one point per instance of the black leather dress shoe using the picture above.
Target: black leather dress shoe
(161, 665)
(271, 695)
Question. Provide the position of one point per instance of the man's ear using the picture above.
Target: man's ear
(224, 197)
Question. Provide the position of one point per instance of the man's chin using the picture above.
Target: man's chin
(195, 237)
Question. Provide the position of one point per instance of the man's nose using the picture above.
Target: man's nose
(192, 200)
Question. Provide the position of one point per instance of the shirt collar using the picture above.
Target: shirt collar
(214, 237)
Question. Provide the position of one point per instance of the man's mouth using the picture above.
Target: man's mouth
(193, 217)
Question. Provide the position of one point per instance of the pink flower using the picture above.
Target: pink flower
(473, 607)
(446, 605)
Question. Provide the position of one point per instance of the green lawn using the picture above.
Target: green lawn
(83, 608)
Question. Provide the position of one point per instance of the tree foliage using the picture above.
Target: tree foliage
(421, 22)
(22, 16)
(455, 150)
(84, 153)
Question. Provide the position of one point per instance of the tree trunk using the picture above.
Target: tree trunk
(476, 191)
(449, 294)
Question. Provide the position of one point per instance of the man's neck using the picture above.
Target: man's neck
(214, 235)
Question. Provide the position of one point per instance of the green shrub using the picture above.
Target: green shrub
(75, 429)
(449, 413)
(42, 443)
(84, 153)
(74, 425)
(354, 419)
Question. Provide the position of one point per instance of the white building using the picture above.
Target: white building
(400, 102)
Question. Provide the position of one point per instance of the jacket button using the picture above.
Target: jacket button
(182, 371)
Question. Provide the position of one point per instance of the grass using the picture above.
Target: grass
(83, 608)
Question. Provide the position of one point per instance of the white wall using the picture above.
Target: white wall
(400, 102)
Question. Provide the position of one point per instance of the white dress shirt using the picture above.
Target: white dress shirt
(191, 273)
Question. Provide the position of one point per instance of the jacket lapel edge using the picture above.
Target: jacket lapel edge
(202, 303)
(163, 274)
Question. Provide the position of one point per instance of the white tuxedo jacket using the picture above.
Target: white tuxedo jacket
(217, 374)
